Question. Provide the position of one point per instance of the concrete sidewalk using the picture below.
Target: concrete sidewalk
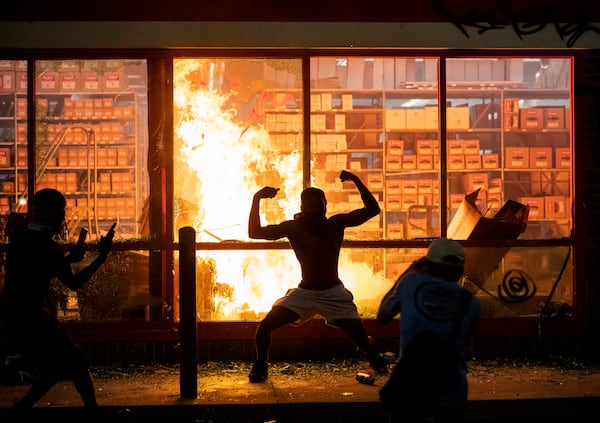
(315, 392)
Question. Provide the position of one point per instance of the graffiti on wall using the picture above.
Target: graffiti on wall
(525, 18)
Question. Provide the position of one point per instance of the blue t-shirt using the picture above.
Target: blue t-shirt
(429, 303)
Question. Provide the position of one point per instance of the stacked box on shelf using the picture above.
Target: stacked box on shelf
(5, 157)
(122, 182)
(4, 206)
(554, 117)
(455, 200)
(427, 147)
(335, 162)
(375, 181)
(540, 157)
(536, 206)
(69, 81)
(475, 181)
(7, 81)
(393, 162)
(431, 117)
(415, 118)
(517, 157)
(395, 146)
(473, 161)
(114, 81)
(495, 185)
(562, 158)
(358, 163)
(531, 118)
(409, 161)
(21, 108)
(410, 186)
(511, 113)
(47, 82)
(409, 200)
(425, 161)
(556, 206)
(425, 192)
(471, 146)
(393, 186)
(490, 161)
(393, 202)
(494, 201)
(395, 119)
(455, 147)
(7, 187)
(456, 161)
(457, 117)
(395, 231)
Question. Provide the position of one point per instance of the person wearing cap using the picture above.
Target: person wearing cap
(427, 297)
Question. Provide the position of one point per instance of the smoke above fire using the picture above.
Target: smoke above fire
(223, 155)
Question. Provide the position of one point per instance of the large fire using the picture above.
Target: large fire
(221, 158)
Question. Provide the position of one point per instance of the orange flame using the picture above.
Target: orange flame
(221, 159)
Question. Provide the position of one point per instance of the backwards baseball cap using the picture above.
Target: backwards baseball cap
(445, 251)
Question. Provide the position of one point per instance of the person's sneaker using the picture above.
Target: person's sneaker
(378, 363)
(259, 372)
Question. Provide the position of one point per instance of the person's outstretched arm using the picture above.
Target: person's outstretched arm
(371, 208)
(255, 229)
(74, 281)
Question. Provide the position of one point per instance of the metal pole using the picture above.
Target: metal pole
(188, 376)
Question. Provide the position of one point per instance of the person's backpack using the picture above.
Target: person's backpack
(425, 373)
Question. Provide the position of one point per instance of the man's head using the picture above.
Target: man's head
(447, 257)
(313, 202)
(48, 208)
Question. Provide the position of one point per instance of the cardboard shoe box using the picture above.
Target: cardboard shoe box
(395, 119)
(415, 118)
(475, 181)
(562, 158)
(471, 146)
(472, 161)
(540, 157)
(5, 159)
(457, 117)
(490, 161)
(395, 146)
(69, 81)
(455, 147)
(393, 202)
(554, 117)
(555, 206)
(47, 82)
(456, 161)
(517, 157)
(393, 186)
(536, 206)
(532, 118)
(7, 81)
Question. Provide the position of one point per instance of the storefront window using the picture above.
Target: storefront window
(92, 142)
(238, 127)
(497, 168)
(378, 117)
(509, 173)
(13, 140)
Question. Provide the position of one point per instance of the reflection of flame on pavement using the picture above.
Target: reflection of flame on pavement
(221, 159)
